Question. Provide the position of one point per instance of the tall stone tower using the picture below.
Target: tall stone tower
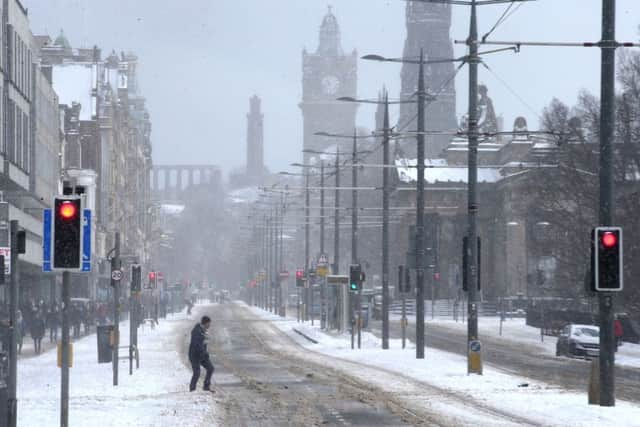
(428, 26)
(255, 139)
(327, 74)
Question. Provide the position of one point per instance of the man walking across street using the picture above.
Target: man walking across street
(198, 354)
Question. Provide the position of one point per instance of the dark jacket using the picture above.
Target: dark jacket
(198, 347)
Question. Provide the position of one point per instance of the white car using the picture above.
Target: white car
(579, 340)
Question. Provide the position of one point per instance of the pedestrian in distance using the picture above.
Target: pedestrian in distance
(198, 354)
(37, 331)
(19, 330)
(52, 323)
(618, 331)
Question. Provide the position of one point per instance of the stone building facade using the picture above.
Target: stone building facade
(107, 148)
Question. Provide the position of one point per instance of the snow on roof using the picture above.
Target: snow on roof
(172, 209)
(75, 83)
(244, 195)
(407, 172)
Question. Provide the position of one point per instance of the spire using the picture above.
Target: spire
(329, 36)
(62, 41)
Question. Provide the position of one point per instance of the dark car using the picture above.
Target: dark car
(578, 340)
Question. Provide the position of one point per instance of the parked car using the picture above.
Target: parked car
(578, 340)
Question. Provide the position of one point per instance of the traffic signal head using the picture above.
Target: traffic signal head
(67, 233)
(355, 277)
(299, 278)
(607, 263)
(136, 278)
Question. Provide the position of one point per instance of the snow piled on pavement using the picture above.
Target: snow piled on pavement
(156, 395)
(506, 392)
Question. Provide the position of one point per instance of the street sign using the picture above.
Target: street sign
(323, 260)
(160, 276)
(284, 275)
(7, 259)
(116, 275)
(337, 279)
(86, 240)
(46, 241)
(322, 270)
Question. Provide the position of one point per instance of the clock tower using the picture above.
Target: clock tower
(327, 75)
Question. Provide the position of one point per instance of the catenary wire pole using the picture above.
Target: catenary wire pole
(472, 204)
(385, 228)
(336, 232)
(323, 287)
(306, 246)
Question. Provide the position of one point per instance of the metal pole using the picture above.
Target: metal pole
(402, 287)
(13, 332)
(64, 370)
(306, 246)
(269, 263)
(323, 286)
(420, 217)
(336, 234)
(354, 226)
(472, 206)
(607, 129)
(385, 228)
(116, 265)
(281, 306)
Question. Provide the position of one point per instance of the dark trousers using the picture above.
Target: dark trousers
(195, 366)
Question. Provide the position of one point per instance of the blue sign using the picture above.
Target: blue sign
(86, 240)
(475, 346)
(46, 240)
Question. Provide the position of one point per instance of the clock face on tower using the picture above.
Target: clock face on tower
(330, 85)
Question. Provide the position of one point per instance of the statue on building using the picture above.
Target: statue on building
(487, 121)
(520, 129)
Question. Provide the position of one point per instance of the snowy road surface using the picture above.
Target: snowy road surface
(439, 389)
(533, 359)
(260, 385)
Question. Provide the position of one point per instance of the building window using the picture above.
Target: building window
(17, 155)
(26, 146)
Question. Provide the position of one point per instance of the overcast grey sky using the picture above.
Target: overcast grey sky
(200, 63)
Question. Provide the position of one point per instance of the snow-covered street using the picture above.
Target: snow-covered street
(156, 395)
(467, 400)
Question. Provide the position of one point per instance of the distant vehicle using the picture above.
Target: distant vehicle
(579, 340)
(377, 307)
(224, 296)
(294, 299)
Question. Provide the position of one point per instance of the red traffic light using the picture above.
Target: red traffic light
(299, 274)
(152, 275)
(609, 239)
(67, 210)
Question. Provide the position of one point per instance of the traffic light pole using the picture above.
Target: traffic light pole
(116, 266)
(64, 368)
(354, 232)
(13, 331)
(607, 129)
(420, 216)
(385, 228)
